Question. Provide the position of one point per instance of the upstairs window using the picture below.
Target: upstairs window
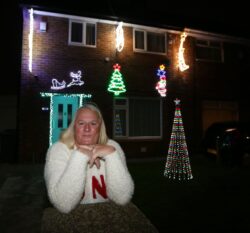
(82, 33)
(152, 42)
(209, 51)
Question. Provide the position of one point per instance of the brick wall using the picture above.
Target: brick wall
(53, 58)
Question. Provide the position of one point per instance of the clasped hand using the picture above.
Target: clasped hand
(95, 153)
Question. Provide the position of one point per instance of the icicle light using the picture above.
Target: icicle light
(31, 39)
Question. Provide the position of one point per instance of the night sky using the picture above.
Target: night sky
(11, 47)
(231, 21)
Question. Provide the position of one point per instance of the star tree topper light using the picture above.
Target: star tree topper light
(178, 164)
(116, 84)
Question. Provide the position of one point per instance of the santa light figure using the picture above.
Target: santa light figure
(162, 83)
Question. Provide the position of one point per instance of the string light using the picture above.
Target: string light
(76, 80)
(30, 39)
(119, 37)
(116, 84)
(56, 85)
(81, 97)
(181, 61)
(162, 83)
(178, 164)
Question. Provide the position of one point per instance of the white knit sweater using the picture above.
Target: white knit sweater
(70, 181)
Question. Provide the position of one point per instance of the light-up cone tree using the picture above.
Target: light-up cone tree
(178, 163)
(116, 84)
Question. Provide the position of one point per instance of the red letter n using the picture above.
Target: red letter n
(101, 189)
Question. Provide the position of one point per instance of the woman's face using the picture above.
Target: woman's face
(87, 127)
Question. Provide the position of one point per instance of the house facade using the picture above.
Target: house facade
(133, 72)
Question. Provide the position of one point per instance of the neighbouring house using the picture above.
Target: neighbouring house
(133, 72)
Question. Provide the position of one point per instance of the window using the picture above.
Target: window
(209, 51)
(152, 42)
(137, 118)
(82, 33)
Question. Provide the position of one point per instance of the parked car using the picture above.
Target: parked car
(228, 142)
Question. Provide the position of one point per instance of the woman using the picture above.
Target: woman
(88, 181)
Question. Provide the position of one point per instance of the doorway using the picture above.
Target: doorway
(64, 108)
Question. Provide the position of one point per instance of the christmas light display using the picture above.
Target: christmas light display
(181, 61)
(30, 39)
(162, 83)
(76, 80)
(116, 84)
(119, 37)
(178, 164)
(81, 97)
(56, 85)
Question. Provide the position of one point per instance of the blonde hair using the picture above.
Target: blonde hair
(67, 136)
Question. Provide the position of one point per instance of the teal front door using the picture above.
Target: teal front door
(64, 108)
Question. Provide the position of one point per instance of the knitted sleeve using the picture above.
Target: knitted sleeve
(65, 174)
(120, 185)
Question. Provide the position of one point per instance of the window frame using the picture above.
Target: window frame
(84, 33)
(209, 44)
(126, 107)
(145, 41)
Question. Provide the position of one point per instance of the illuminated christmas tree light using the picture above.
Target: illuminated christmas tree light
(178, 164)
(116, 84)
